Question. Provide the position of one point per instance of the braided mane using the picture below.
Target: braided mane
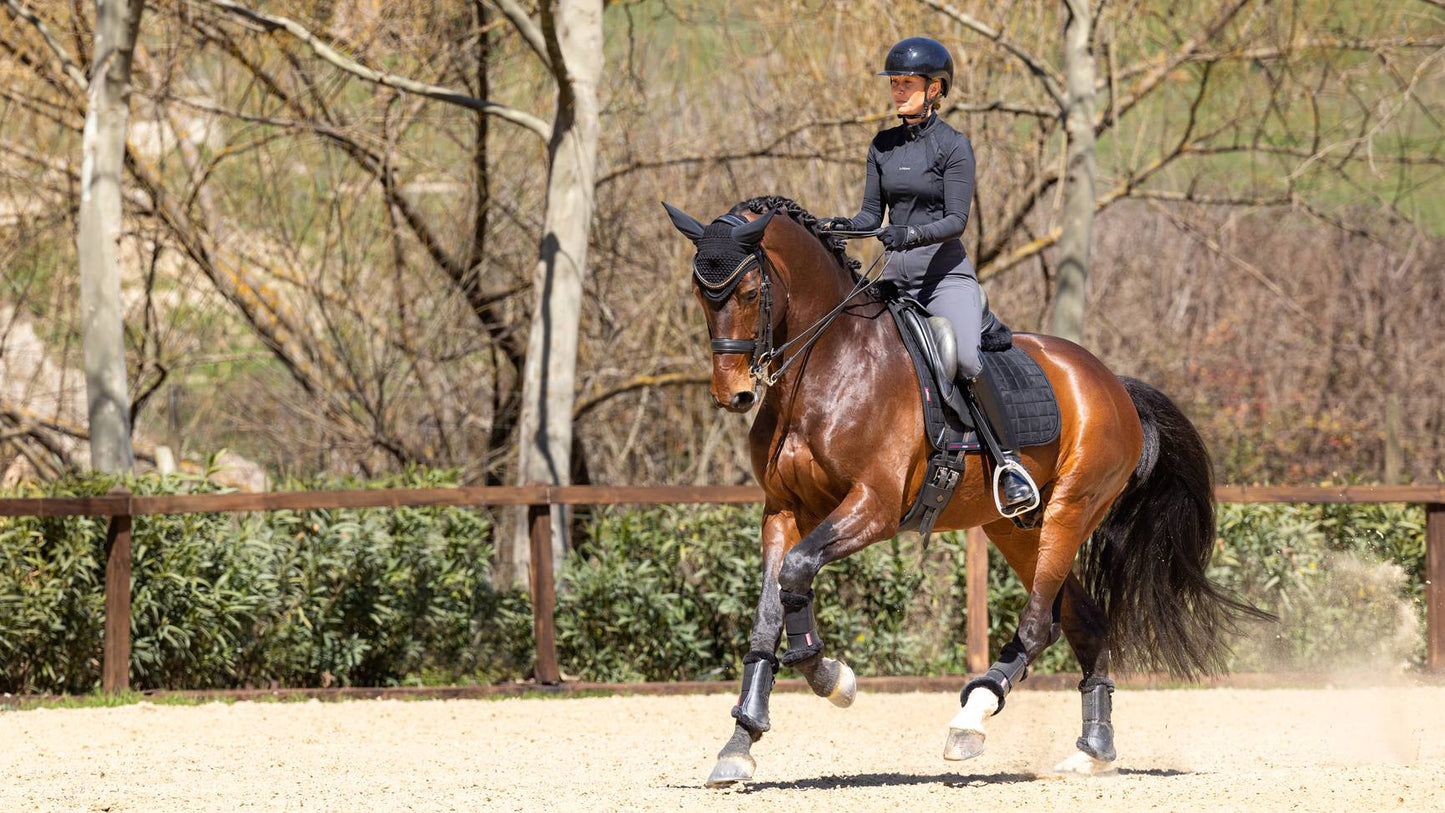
(836, 245)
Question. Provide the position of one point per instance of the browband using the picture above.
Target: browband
(724, 287)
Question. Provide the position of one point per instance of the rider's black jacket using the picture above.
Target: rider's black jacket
(924, 174)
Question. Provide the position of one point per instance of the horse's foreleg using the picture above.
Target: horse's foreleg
(859, 521)
(735, 761)
(1087, 631)
(826, 676)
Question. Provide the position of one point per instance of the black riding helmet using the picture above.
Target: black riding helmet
(920, 56)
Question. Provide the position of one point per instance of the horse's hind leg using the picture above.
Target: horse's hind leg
(1043, 560)
(1087, 630)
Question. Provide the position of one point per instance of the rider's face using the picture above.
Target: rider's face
(908, 93)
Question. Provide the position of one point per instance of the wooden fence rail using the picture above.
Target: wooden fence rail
(120, 506)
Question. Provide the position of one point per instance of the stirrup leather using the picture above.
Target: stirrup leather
(998, 472)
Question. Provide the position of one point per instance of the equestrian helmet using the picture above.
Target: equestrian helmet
(920, 56)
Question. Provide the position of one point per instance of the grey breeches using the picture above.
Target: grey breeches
(955, 298)
(942, 278)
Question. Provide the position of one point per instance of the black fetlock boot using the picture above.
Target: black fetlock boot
(1014, 491)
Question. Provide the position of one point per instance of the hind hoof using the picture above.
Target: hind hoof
(962, 745)
(731, 770)
(846, 687)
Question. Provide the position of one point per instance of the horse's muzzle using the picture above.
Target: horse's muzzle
(739, 402)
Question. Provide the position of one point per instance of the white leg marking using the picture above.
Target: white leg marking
(966, 730)
(982, 703)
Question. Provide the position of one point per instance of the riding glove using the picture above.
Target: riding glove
(898, 237)
(835, 224)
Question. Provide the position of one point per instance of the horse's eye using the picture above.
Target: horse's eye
(748, 295)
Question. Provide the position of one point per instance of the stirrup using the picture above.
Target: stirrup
(998, 472)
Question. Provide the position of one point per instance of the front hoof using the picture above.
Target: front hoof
(1081, 764)
(962, 745)
(846, 687)
(730, 770)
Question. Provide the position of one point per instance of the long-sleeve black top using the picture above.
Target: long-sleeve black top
(924, 175)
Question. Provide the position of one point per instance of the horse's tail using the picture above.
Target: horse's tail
(1146, 563)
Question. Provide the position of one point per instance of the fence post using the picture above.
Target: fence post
(544, 593)
(1435, 585)
(975, 562)
(115, 665)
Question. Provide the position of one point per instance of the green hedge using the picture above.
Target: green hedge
(388, 596)
(292, 598)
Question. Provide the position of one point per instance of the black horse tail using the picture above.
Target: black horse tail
(1146, 564)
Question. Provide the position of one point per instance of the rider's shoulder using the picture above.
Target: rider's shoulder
(890, 137)
(947, 129)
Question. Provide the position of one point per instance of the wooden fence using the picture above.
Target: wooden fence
(121, 506)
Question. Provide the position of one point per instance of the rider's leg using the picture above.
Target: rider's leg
(956, 297)
(1018, 491)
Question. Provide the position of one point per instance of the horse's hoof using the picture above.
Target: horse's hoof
(1081, 764)
(730, 770)
(962, 745)
(846, 687)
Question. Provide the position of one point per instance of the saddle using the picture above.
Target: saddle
(950, 418)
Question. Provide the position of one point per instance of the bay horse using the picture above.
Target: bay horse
(839, 447)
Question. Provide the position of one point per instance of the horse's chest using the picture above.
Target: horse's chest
(797, 471)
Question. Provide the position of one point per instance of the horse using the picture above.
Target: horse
(839, 448)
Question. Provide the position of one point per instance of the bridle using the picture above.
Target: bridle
(760, 348)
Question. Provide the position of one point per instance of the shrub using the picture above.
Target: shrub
(351, 597)
(388, 596)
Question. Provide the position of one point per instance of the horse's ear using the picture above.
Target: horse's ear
(750, 234)
(685, 223)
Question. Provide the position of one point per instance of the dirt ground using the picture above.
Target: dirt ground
(1220, 749)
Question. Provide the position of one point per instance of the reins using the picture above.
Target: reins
(764, 354)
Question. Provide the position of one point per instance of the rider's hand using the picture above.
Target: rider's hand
(835, 224)
(898, 237)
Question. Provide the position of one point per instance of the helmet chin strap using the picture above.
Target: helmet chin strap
(927, 111)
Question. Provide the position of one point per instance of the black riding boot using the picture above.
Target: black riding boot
(1018, 491)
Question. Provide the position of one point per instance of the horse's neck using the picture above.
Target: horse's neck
(814, 285)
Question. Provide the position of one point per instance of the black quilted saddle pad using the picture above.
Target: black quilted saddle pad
(1027, 396)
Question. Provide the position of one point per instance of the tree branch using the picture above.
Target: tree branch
(637, 383)
(525, 26)
(1033, 63)
(442, 94)
(1158, 69)
(72, 70)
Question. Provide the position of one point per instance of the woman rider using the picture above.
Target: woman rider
(923, 171)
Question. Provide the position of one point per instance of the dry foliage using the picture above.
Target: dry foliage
(329, 274)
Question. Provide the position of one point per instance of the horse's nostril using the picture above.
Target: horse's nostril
(744, 399)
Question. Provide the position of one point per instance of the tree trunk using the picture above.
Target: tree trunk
(99, 231)
(1077, 221)
(573, 33)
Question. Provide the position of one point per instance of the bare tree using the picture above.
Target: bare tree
(572, 31)
(1077, 214)
(343, 269)
(117, 23)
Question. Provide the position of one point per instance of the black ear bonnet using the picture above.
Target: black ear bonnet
(721, 259)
